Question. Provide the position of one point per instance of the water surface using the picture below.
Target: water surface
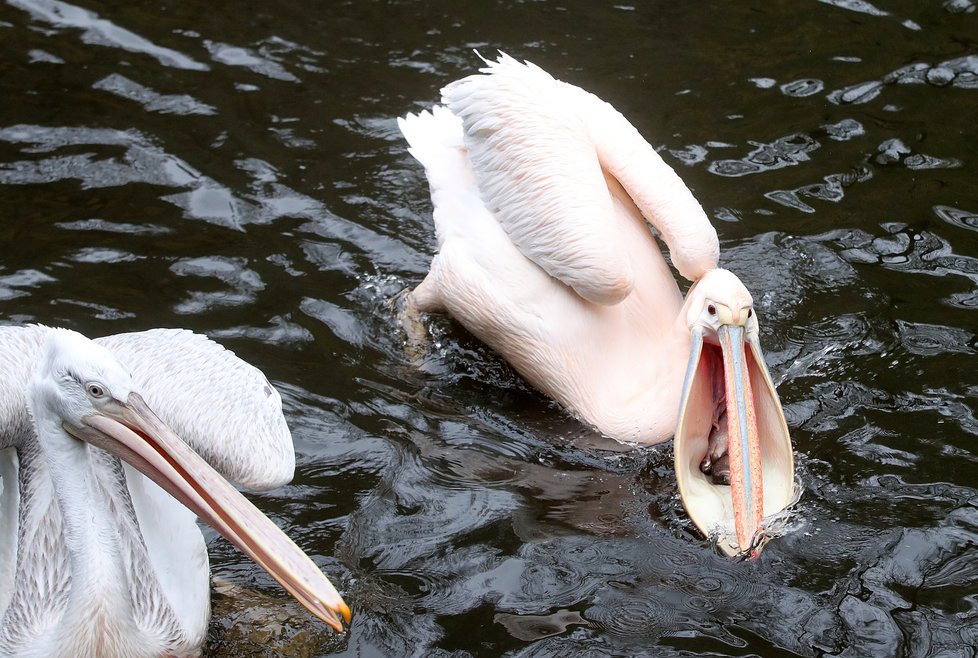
(238, 171)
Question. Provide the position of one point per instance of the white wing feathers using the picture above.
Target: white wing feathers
(224, 408)
(435, 140)
(9, 504)
(19, 348)
(539, 175)
(541, 150)
(658, 192)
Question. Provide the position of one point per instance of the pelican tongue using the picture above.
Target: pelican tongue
(746, 484)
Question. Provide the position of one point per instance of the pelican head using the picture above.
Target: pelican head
(733, 456)
(81, 391)
(76, 377)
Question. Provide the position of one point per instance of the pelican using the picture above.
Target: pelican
(543, 195)
(100, 554)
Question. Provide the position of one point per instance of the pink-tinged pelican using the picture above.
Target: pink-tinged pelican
(100, 554)
(541, 195)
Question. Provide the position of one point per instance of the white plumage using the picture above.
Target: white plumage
(97, 559)
(542, 199)
(539, 190)
(177, 370)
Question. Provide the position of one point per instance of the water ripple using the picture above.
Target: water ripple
(38, 55)
(960, 72)
(786, 151)
(895, 151)
(956, 217)
(802, 88)
(151, 100)
(907, 249)
(249, 59)
(860, 6)
(12, 285)
(114, 227)
(92, 255)
(932, 339)
(242, 283)
(531, 628)
(103, 32)
(631, 615)
(282, 331)
(831, 189)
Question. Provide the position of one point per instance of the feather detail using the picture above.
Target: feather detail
(223, 407)
(540, 176)
(154, 575)
(660, 194)
(541, 149)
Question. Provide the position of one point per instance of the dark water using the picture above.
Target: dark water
(236, 169)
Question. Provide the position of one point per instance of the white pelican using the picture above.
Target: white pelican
(541, 193)
(95, 558)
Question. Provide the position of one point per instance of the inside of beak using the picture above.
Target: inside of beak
(733, 456)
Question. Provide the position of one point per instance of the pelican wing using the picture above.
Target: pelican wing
(541, 150)
(655, 188)
(223, 407)
(9, 504)
(538, 174)
(19, 347)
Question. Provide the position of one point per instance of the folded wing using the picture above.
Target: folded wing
(542, 151)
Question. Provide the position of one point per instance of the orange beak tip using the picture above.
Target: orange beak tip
(333, 613)
(331, 619)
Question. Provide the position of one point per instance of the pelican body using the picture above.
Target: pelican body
(542, 198)
(109, 449)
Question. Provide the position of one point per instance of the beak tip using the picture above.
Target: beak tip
(333, 614)
(331, 619)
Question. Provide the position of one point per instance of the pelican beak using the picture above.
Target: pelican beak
(133, 432)
(746, 484)
(757, 442)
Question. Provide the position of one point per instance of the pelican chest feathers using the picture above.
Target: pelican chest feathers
(543, 195)
(95, 559)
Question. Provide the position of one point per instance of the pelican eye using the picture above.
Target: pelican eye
(711, 309)
(750, 312)
(95, 390)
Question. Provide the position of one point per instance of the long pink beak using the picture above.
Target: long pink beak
(759, 447)
(133, 432)
(744, 448)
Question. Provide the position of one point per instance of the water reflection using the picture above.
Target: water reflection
(151, 100)
(961, 72)
(241, 173)
(99, 31)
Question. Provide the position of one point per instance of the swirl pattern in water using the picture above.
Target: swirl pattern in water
(239, 172)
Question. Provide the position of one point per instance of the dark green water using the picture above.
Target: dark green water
(236, 169)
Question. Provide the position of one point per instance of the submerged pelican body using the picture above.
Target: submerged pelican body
(108, 450)
(542, 196)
